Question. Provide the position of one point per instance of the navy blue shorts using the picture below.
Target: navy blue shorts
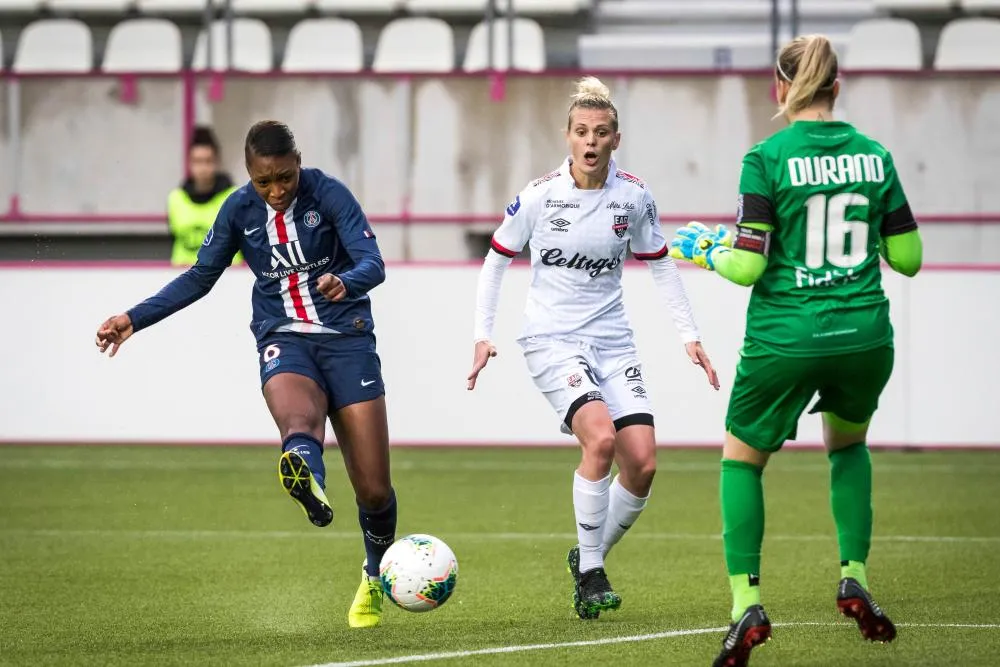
(346, 368)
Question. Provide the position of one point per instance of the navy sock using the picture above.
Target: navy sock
(379, 530)
(311, 450)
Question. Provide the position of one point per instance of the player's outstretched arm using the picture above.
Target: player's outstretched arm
(668, 281)
(179, 293)
(740, 258)
(508, 240)
(487, 298)
(216, 253)
(742, 262)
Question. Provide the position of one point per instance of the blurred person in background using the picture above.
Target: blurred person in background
(579, 221)
(192, 207)
(819, 204)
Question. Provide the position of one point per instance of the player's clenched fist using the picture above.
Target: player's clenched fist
(331, 287)
(115, 331)
(484, 352)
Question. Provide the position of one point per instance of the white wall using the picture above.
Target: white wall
(464, 154)
(194, 377)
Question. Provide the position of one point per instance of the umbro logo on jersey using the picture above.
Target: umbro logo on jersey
(560, 225)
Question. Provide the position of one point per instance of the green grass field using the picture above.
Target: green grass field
(193, 556)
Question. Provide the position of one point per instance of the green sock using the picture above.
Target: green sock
(746, 593)
(854, 570)
(742, 494)
(851, 501)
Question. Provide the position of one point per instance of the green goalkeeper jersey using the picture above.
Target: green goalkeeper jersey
(830, 195)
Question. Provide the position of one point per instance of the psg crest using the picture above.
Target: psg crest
(620, 225)
(311, 218)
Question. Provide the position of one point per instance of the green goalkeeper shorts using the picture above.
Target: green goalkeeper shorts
(771, 392)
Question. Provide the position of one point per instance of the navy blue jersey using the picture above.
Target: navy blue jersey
(323, 231)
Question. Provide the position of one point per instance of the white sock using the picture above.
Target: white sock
(590, 504)
(623, 510)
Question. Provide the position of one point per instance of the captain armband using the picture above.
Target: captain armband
(752, 240)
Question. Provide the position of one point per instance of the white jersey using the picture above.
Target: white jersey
(578, 241)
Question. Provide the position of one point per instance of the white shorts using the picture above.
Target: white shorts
(573, 373)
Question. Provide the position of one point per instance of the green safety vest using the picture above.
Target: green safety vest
(189, 224)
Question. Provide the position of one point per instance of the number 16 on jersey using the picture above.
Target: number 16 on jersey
(830, 237)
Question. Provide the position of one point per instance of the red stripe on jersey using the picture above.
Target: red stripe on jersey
(503, 251)
(279, 225)
(293, 279)
(648, 256)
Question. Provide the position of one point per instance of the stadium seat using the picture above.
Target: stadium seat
(889, 43)
(22, 5)
(969, 43)
(55, 45)
(144, 45)
(251, 47)
(324, 45)
(539, 7)
(980, 5)
(445, 6)
(90, 5)
(914, 5)
(664, 52)
(170, 6)
(359, 6)
(270, 6)
(529, 46)
(415, 44)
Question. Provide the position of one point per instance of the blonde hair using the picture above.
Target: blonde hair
(591, 93)
(809, 64)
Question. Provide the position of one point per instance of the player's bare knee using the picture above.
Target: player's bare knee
(302, 422)
(599, 447)
(736, 450)
(637, 474)
(644, 473)
(373, 495)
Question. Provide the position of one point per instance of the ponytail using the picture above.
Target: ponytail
(809, 64)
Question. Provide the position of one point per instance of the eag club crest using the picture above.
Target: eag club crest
(620, 225)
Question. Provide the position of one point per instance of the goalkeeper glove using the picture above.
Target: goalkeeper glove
(696, 243)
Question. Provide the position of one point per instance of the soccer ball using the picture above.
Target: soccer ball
(419, 572)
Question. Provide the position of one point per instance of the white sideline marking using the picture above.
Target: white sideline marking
(467, 537)
(427, 657)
